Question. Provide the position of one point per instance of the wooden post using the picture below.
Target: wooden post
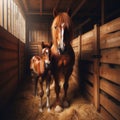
(1, 12)
(19, 62)
(11, 13)
(96, 67)
(80, 46)
(5, 14)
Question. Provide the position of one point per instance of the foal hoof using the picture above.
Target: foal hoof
(66, 104)
(58, 108)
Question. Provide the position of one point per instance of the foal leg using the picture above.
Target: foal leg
(41, 93)
(36, 83)
(32, 75)
(48, 93)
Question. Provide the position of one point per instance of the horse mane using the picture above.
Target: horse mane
(58, 20)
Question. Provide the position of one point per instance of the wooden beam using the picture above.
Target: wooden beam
(20, 5)
(38, 13)
(25, 3)
(41, 7)
(57, 3)
(113, 13)
(78, 8)
(102, 12)
(71, 3)
(82, 24)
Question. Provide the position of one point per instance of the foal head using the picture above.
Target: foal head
(61, 30)
(46, 53)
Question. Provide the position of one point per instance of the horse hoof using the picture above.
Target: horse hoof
(58, 108)
(66, 104)
(40, 110)
(48, 110)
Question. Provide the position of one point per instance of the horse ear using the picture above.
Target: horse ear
(69, 11)
(54, 12)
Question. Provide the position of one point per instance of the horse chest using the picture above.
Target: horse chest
(63, 61)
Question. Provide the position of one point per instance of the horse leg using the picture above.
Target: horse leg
(66, 85)
(48, 92)
(41, 93)
(58, 107)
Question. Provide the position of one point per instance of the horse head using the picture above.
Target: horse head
(61, 31)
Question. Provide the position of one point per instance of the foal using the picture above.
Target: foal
(40, 69)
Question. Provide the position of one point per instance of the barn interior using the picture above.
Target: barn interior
(94, 83)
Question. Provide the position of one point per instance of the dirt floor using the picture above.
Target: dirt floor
(26, 107)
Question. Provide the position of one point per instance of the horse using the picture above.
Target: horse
(40, 70)
(62, 55)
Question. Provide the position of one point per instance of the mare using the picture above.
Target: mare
(62, 56)
(40, 70)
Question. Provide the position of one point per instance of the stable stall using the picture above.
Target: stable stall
(25, 24)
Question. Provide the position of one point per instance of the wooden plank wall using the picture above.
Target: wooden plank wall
(86, 67)
(110, 70)
(12, 18)
(34, 49)
(11, 65)
(36, 34)
(100, 67)
(76, 48)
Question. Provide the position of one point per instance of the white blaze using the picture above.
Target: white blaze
(62, 37)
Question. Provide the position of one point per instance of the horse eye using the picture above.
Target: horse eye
(55, 27)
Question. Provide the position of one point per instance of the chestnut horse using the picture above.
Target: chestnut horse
(62, 55)
(40, 70)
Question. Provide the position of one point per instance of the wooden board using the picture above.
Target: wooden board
(106, 70)
(12, 62)
(110, 27)
(110, 106)
(110, 88)
(89, 89)
(105, 114)
(111, 56)
(110, 40)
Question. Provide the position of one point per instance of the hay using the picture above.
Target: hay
(26, 107)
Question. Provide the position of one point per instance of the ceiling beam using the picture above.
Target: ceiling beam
(39, 13)
(116, 12)
(82, 24)
(78, 8)
(102, 12)
(68, 9)
(41, 7)
(25, 3)
(57, 3)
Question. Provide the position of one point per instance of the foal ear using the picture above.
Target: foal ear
(69, 11)
(46, 44)
(42, 44)
(54, 12)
